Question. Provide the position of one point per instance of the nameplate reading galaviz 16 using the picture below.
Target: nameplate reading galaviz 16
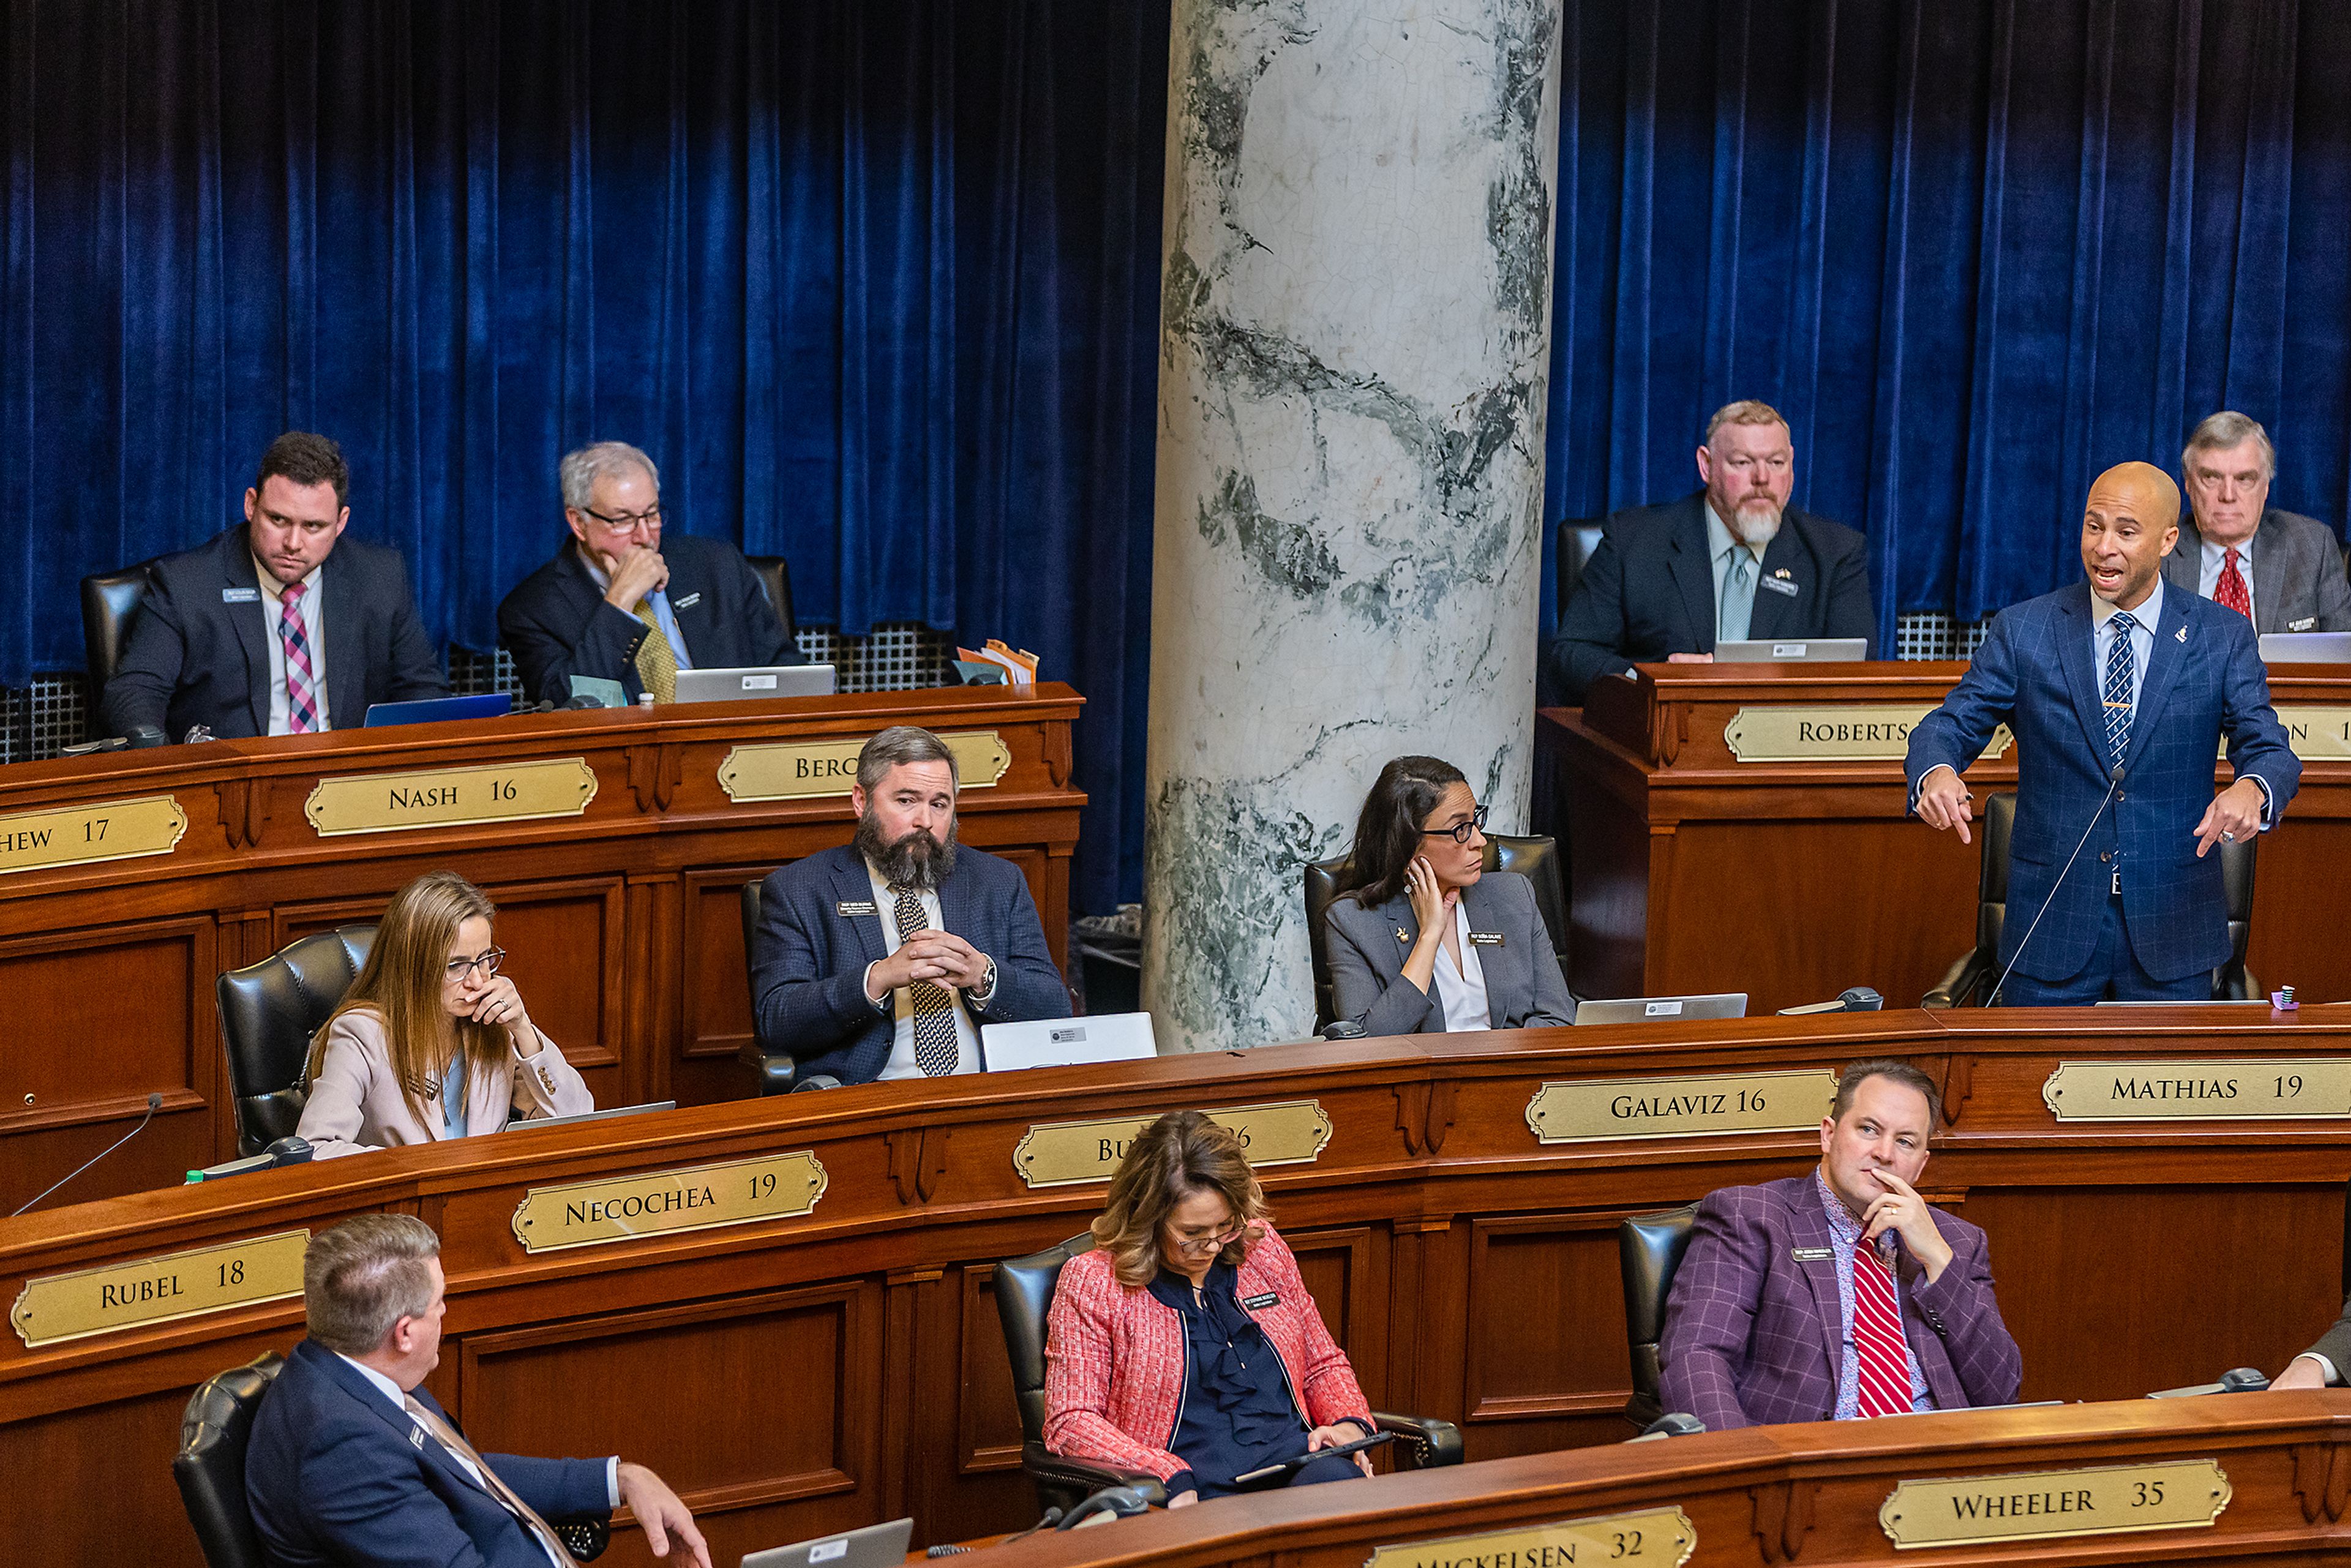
(1063, 1153)
(1854, 732)
(805, 769)
(77, 835)
(700, 1198)
(2046, 1505)
(2279, 1089)
(451, 797)
(59, 1307)
(1599, 1110)
(1655, 1537)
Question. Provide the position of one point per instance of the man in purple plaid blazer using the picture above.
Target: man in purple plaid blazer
(1759, 1320)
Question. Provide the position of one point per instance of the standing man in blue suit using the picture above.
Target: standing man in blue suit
(2119, 691)
(351, 1460)
(880, 959)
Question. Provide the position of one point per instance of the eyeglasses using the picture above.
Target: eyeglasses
(651, 517)
(487, 963)
(1210, 1243)
(1460, 831)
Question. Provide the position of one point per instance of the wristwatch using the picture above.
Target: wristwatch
(984, 992)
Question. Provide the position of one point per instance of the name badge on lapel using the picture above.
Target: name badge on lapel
(1485, 939)
(2305, 624)
(240, 596)
(688, 602)
(416, 1438)
(1253, 1304)
(1813, 1254)
(849, 906)
(1779, 582)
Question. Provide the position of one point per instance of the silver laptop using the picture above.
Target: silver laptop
(2306, 647)
(875, 1546)
(1063, 1042)
(1660, 1010)
(598, 1115)
(1810, 651)
(744, 685)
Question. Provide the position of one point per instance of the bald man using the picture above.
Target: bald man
(2119, 691)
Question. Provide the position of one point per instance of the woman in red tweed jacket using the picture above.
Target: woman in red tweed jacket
(1185, 1343)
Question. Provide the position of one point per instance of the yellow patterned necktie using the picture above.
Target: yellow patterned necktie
(656, 662)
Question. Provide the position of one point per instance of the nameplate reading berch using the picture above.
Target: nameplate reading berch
(1655, 1537)
(2047, 1505)
(451, 797)
(2278, 1089)
(1061, 1154)
(806, 769)
(77, 835)
(700, 1198)
(59, 1307)
(1850, 732)
(1599, 1110)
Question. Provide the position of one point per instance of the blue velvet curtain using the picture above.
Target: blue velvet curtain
(874, 283)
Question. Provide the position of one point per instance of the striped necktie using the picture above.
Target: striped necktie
(449, 1437)
(2121, 665)
(1880, 1357)
(301, 682)
(935, 1033)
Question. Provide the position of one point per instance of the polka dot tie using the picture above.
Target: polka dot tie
(935, 1034)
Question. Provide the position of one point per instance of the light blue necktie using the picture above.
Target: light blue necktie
(1733, 616)
(2121, 665)
(453, 1098)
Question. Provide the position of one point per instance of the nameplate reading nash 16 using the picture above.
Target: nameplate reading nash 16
(77, 835)
(1854, 733)
(1598, 1110)
(2047, 1505)
(803, 769)
(1657, 1538)
(163, 1290)
(1061, 1154)
(451, 797)
(776, 1187)
(2270, 1090)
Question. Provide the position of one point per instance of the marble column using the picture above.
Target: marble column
(1355, 309)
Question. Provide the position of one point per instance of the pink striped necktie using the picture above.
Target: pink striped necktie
(1881, 1356)
(301, 683)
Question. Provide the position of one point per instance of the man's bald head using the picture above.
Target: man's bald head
(2129, 524)
(2143, 487)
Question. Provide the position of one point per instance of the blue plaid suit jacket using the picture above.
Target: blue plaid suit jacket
(2035, 673)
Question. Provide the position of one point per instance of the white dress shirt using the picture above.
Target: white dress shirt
(902, 1062)
(314, 618)
(1461, 992)
(2215, 558)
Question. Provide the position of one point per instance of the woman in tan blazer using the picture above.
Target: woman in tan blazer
(430, 1041)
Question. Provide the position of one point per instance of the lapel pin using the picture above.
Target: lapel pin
(1783, 571)
(1400, 935)
(2182, 636)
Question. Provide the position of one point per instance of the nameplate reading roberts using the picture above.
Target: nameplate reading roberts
(1846, 733)
(451, 797)
(1657, 1538)
(2045, 1505)
(2272, 1089)
(59, 1307)
(77, 835)
(802, 770)
(701, 1197)
(1061, 1154)
(1598, 1110)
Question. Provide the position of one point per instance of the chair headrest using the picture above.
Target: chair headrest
(210, 1465)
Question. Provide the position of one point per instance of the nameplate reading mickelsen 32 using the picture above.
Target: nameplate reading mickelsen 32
(805, 769)
(2275, 1089)
(1063, 1153)
(1656, 1538)
(2049, 1505)
(451, 797)
(701, 1197)
(1853, 732)
(58, 1307)
(77, 835)
(1598, 1110)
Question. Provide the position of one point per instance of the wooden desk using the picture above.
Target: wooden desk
(622, 919)
(797, 1375)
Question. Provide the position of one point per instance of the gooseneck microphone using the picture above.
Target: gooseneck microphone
(2114, 782)
(155, 1104)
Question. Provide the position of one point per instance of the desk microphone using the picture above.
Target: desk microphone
(155, 1104)
(2114, 782)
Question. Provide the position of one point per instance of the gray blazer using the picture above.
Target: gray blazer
(2298, 580)
(1367, 947)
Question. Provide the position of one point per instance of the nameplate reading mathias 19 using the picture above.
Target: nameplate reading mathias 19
(1063, 1153)
(143, 1290)
(451, 797)
(700, 1198)
(1655, 1537)
(2048, 1505)
(805, 769)
(77, 835)
(1853, 732)
(2266, 1089)
(1598, 1110)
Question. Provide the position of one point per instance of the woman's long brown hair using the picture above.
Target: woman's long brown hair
(1181, 1154)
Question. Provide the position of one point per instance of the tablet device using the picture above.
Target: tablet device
(747, 685)
(875, 1546)
(2306, 647)
(1662, 1009)
(1302, 1460)
(596, 1115)
(434, 710)
(1807, 650)
(1063, 1042)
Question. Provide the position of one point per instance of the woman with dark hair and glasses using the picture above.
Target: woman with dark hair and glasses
(430, 1041)
(1430, 940)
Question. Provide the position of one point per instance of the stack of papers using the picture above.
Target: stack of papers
(1019, 666)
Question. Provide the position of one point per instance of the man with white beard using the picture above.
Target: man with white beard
(1731, 563)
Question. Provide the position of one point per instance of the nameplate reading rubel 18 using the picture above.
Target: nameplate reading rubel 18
(806, 769)
(2049, 1505)
(2276, 1089)
(1063, 1153)
(1848, 732)
(700, 1198)
(451, 797)
(77, 835)
(145, 1291)
(1654, 1538)
(1598, 1110)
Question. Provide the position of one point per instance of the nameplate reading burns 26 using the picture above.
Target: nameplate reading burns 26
(1598, 1110)
(451, 797)
(2048, 1505)
(1852, 732)
(806, 769)
(2273, 1090)
(1063, 1153)
(1655, 1537)
(59, 1307)
(77, 835)
(701, 1197)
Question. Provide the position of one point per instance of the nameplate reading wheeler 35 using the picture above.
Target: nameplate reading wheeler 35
(1598, 1110)
(804, 770)
(1063, 1153)
(2048, 1505)
(2268, 1090)
(59, 1307)
(700, 1198)
(451, 797)
(1656, 1538)
(1857, 732)
(77, 835)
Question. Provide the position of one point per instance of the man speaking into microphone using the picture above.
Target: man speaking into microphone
(2119, 691)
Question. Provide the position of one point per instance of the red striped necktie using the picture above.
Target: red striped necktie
(1881, 1356)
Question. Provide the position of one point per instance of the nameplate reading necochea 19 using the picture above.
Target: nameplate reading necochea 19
(2267, 1089)
(2046, 1505)
(58, 1307)
(700, 1198)
(1061, 1154)
(77, 835)
(1598, 1110)
(451, 797)
(1655, 1537)
(803, 769)
(1853, 732)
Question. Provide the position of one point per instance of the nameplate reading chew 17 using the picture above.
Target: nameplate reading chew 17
(1596, 1110)
(1858, 732)
(2266, 1089)
(451, 797)
(77, 835)
(2048, 1505)
(1655, 1537)
(59, 1307)
(701, 1197)
(803, 769)
(1061, 1154)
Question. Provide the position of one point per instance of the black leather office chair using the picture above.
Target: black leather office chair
(775, 576)
(1536, 858)
(109, 607)
(1649, 1247)
(210, 1465)
(1968, 981)
(269, 1013)
(1024, 1296)
(1572, 544)
(776, 1072)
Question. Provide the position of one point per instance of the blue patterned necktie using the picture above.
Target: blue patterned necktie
(2121, 664)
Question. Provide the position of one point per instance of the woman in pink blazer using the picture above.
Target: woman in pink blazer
(1185, 1343)
(432, 1041)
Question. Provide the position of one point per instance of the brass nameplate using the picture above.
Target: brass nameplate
(1852, 732)
(1061, 1154)
(701, 1197)
(2261, 1090)
(1656, 1538)
(1596, 1110)
(2316, 733)
(2046, 1505)
(58, 1307)
(77, 835)
(804, 770)
(451, 797)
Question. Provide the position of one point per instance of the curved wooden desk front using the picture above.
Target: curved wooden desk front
(796, 1375)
